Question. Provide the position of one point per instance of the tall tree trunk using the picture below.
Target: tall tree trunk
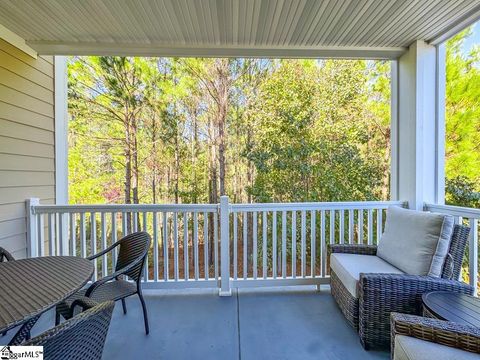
(135, 172)
(223, 79)
(177, 165)
(195, 153)
(213, 191)
(154, 159)
(249, 196)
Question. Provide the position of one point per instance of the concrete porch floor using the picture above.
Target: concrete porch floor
(274, 323)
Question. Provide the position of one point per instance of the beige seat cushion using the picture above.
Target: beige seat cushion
(409, 348)
(416, 242)
(348, 267)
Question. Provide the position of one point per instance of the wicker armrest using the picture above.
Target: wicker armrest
(403, 286)
(115, 275)
(84, 303)
(359, 249)
(382, 294)
(441, 332)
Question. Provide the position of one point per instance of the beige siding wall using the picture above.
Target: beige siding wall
(27, 141)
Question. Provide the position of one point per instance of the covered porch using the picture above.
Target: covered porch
(267, 261)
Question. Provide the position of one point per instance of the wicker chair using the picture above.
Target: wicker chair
(458, 336)
(130, 262)
(81, 337)
(380, 294)
(4, 257)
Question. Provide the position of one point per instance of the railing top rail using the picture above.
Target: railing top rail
(351, 205)
(45, 209)
(348, 205)
(454, 210)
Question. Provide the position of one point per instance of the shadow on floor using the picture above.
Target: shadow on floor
(276, 323)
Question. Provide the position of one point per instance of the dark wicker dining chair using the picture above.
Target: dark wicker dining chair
(4, 257)
(130, 262)
(82, 337)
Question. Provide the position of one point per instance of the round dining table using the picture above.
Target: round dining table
(29, 287)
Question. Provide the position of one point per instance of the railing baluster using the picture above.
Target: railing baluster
(195, 244)
(313, 244)
(294, 244)
(342, 226)
(61, 236)
(51, 235)
(303, 235)
(264, 244)
(146, 267)
(235, 246)
(175, 245)
(73, 234)
(205, 244)
(135, 221)
(332, 227)
(155, 245)
(103, 224)
(215, 242)
(274, 245)
(114, 240)
(245, 240)
(351, 221)
(370, 227)
(93, 242)
(360, 226)
(379, 225)
(124, 224)
(473, 254)
(185, 246)
(165, 245)
(83, 236)
(255, 245)
(322, 247)
(284, 244)
(41, 235)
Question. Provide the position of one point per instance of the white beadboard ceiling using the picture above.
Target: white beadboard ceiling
(257, 28)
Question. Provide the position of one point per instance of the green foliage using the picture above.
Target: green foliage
(461, 192)
(296, 130)
(312, 132)
(462, 122)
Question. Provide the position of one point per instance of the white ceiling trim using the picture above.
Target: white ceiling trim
(17, 41)
(104, 49)
(458, 26)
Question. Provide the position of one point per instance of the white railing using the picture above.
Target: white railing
(215, 245)
(286, 244)
(470, 218)
(181, 238)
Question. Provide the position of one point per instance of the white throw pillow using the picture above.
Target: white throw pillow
(416, 242)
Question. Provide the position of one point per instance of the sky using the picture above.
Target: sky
(473, 39)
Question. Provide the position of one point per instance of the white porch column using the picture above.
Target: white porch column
(61, 147)
(61, 131)
(417, 127)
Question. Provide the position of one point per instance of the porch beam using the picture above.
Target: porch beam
(173, 50)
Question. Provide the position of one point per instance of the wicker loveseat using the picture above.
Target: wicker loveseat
(375, 293)
(416, 337)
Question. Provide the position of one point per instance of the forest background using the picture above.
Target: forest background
(188, 130)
